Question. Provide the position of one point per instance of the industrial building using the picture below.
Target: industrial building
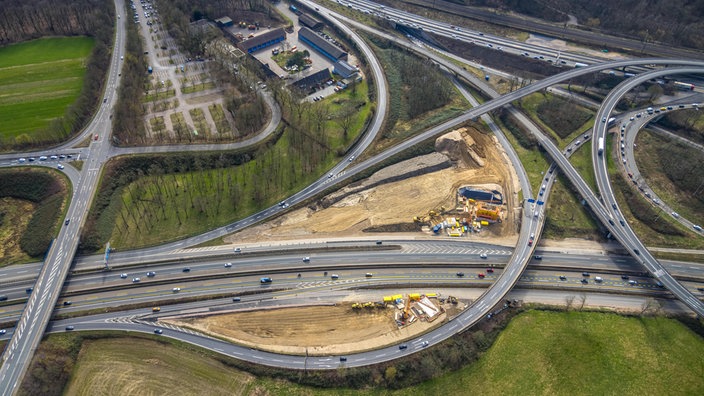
(308, 83)
(482, 195)
(318, 43)
(344, 69)
(310, 22)
(263, 40)
(224, 22)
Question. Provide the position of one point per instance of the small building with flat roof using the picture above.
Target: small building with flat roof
(224, 21)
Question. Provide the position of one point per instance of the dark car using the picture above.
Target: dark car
(585, 273)
(69, 328)
(67, 221)
(562, 277)
(343, 359)
(585, 281)
(29, 290)
(538, 257)
(67, 303)
(186, 269)
(158, 331)
(460, 274)
(402, 346)
(624, 277)
(236, 299)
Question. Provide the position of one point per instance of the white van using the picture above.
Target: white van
(598, 279)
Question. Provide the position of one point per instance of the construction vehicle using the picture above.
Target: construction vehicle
(407, 309)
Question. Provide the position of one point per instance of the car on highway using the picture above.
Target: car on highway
(59, 166)
(156, 309)
(538, 257)
(481, 275)
(266, 280)
(67, 221)
(585, 274)
(158, 331)
(176, 289)
(334, 276)
(402, 346)
(636, 251)
(675, 215)
(460, 274)
(562, 277)
(95, 137)
(3, 331)
(624, 277)
(187, 269)
(483, 255)
(123, 275)
(69, 328)
(623, 223)
(67, 303)
(151, 274)
(490, 270)
(228, 265)
(584, 281)
(424, 344)
(368, 274)
(29, 290)
(632, 282)
(236, 299)
(306, 259)
(135, 280)
(238, 250)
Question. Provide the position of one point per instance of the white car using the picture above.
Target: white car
(135, 280)
(176, 289)
(3, 331)
(123, 276)
(483, 255)
(228, 265)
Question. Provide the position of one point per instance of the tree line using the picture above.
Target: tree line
(30, 19)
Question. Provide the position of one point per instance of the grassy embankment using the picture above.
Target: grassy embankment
(653, 155)
(539, 352)
(566, 216)
(32, 201)
(39, 79)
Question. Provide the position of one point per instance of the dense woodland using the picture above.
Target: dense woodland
(47, 192)
(679, 22)
(177, 15)
(29, 19)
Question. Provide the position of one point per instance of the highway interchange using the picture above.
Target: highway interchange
(44, 298)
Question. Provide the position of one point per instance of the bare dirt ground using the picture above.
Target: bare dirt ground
(355, 208)
(319, 330)
(474, 158)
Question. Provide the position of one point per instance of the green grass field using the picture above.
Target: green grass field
(539, 353)
(39, 79)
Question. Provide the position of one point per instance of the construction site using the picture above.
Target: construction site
(338, 328)
(414, 306)
(477, 207)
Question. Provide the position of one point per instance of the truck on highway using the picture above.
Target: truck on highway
(601, 146)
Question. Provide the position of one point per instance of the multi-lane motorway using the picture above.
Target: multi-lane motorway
(44, 297)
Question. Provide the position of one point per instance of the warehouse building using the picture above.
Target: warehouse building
(321, 45)
(263, 40)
